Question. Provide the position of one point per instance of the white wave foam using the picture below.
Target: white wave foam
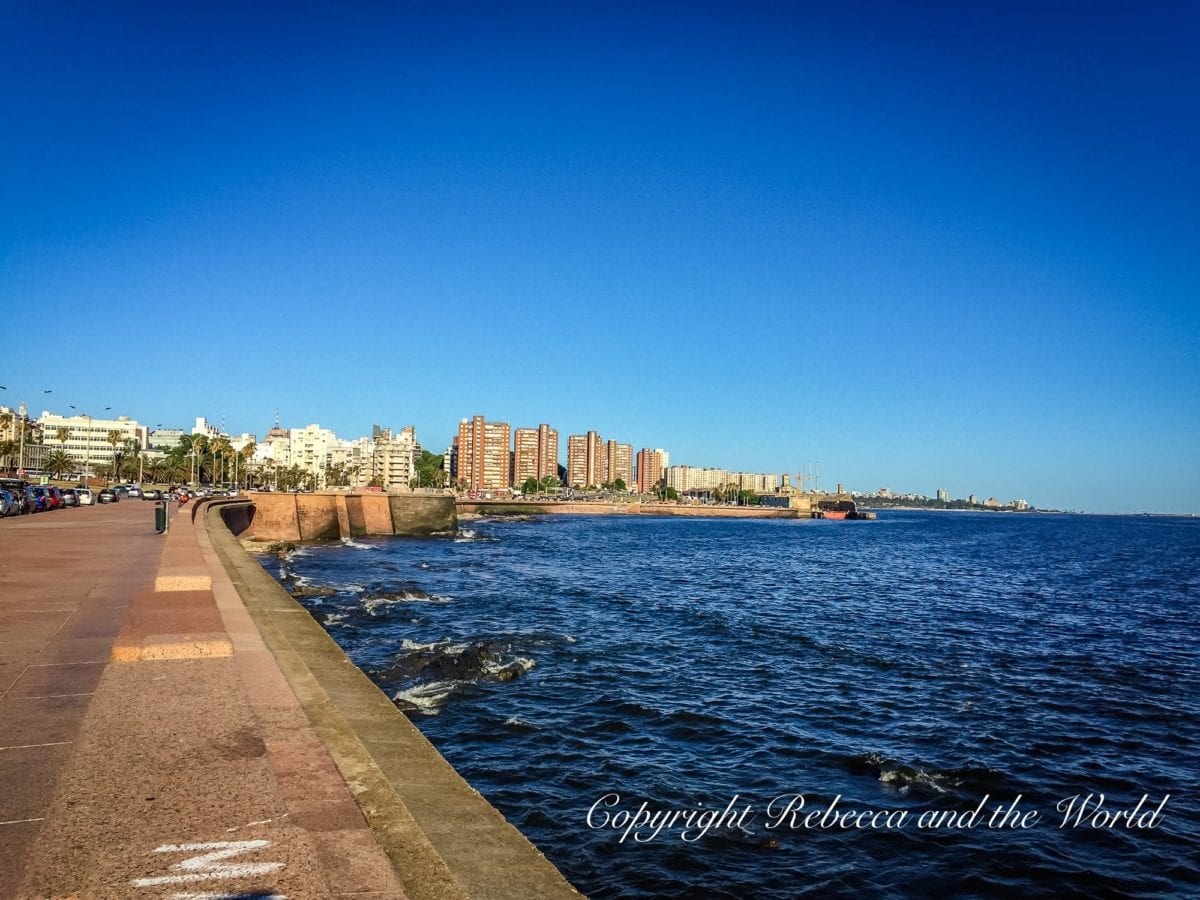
(350, 542)
(906, 780)
(448, 646)
(524, 663)
(427, 697)
(371, 604)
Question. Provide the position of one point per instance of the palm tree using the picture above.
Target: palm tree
(58, 462)
(114, 437)
(8, 449)
(248, 451)
(175, 469)
(157, 470)
(218, 447)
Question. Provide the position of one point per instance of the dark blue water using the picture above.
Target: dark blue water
(921, 662)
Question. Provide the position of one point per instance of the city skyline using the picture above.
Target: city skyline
(598, 455)
(925, 247)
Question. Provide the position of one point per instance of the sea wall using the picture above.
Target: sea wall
(329, 516)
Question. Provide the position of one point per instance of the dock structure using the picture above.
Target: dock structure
(172, 723)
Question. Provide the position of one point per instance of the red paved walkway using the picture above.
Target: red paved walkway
(140, 755)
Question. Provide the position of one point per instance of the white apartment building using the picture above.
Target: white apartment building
(87, 437)
(695, 478)
(163, 439)
(390, 459)
(309, 448)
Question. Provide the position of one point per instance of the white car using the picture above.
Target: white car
(135, 492)
(86, 497)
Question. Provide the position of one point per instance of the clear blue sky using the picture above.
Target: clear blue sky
(929, 247)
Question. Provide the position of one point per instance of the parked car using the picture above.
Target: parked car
(152, 494)
(108, 495)
(9, 504)
(70, 497)
(120, 490)
(16, 487)
(86, 497)
(40, 498)
(56, 497)
(134, 492)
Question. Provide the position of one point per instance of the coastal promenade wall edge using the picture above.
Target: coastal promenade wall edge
(444, 839)
(330, 515)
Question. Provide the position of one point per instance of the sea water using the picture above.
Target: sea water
(949, 703)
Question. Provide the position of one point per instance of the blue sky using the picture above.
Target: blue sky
(949, 247)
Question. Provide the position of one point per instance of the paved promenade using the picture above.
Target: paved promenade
(173, 724)
(140, 755)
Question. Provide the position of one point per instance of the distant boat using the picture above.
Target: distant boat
(841, 509)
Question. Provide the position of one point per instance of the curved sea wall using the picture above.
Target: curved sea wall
(330, 515)
(444, 839)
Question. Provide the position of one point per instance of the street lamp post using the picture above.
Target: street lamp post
(21, 441)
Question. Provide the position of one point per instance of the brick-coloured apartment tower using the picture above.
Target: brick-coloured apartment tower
(587, 460)
(535, 453)
(483, 454)
(649, 470)
(619, 463)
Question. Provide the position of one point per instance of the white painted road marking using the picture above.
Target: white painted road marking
(207, 866)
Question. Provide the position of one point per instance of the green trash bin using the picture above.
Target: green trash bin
(160, 516)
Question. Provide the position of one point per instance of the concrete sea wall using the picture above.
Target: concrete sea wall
(329, 516)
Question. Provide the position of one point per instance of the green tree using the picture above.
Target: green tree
(156, 470)
(8, 452)
(248, 450)
(427, 466)
(530, 486)
(619, 485)
(218, 449)
(59, 462)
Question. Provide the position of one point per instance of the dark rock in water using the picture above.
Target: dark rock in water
(468, 665)
(509, 672)
(742, 837)
(406, 706)
(307, 590)
(477, 661)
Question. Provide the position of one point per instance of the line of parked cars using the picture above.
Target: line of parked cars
(18, 497)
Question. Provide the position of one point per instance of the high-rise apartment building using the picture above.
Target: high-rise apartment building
(618, 460)
(587, 460)
(535, 453)
(651, 464)
(484, 454)
(943, 494)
